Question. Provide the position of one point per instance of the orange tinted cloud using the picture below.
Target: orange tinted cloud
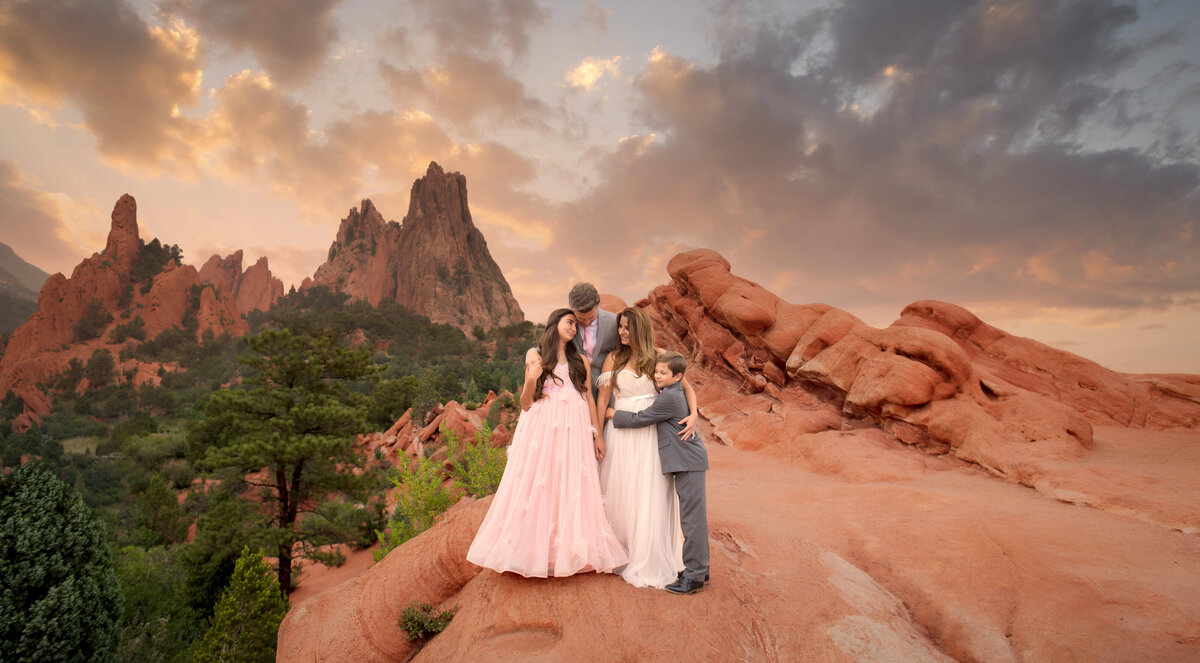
(128, 79)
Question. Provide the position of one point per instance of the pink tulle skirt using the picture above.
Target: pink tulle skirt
(547, 518)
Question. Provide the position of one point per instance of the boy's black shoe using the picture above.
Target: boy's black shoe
(677, 577)
(684, 586)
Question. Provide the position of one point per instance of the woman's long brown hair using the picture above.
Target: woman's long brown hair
(641, 336)
(548, 348)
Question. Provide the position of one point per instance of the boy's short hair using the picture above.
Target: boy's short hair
(674, 361)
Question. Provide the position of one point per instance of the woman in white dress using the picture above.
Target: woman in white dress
(640, 502)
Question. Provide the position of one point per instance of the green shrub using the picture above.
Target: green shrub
(422, 500)
(421, 621)
(101, 369)
(478, 467)
(135, 328)
(95, 319)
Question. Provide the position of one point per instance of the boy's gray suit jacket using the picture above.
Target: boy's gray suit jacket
(668, 408)
(606, 342)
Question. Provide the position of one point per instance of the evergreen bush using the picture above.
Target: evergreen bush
(60, 599)
(247, 616)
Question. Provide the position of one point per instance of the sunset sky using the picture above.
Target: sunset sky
(1037, 162)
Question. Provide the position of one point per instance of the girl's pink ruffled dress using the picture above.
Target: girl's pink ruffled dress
(547, 518)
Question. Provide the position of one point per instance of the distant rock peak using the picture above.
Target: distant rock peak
(436, 262)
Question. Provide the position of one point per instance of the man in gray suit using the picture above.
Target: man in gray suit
(685, 460)
(597, 328)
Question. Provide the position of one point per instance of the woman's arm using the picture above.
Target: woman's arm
(533, 370)
(597, 420)
(689, 422)
(605, 394)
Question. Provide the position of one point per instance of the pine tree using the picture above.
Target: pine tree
(60, 599)
(296, 418)
(247, 616)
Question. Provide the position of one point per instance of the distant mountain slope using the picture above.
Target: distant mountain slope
(15, 271)
(20, 283)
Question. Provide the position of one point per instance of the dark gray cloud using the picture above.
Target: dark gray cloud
(128, 79)
(482, 26)
(876, 150)
(289, 38)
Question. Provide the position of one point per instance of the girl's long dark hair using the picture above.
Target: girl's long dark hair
(548, 349)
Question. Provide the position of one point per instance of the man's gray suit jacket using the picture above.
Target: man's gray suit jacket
(668, 408)
(606, 342)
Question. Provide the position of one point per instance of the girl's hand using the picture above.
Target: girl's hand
(533, 365)
(598, 443)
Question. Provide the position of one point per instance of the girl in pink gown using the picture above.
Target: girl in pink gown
(547, 518)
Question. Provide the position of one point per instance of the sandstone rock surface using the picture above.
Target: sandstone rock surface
(436, 262)
(838, 546)
(254, 289)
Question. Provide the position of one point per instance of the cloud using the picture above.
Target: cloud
(289, 38)
(466, 90)
(129, 79)
(587, 73)
(595, 17)
(892, 154)
(38, 225)
(482, 26)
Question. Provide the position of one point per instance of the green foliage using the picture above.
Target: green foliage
(70, 376)
(135, 328)
(247, 616)
(95, 318)
(101, 369)
(296, 417)
(60, 599)
(421, 621)
(425, 399)
(497, 408)
(389, 400)
(227, 524)
(158, 626)
(158, 517)
(151, 259)
(478, 467)
(422, 499)
(472, 393)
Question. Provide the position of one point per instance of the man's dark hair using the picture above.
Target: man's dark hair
(583, 296)
(674, 361)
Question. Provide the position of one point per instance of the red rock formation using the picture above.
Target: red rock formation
(1104, 396)
(831, 539)
(915, 383)
(43, 346)
(254, 289)
(436, 263)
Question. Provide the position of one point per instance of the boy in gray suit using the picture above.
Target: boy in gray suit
(685, 460)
